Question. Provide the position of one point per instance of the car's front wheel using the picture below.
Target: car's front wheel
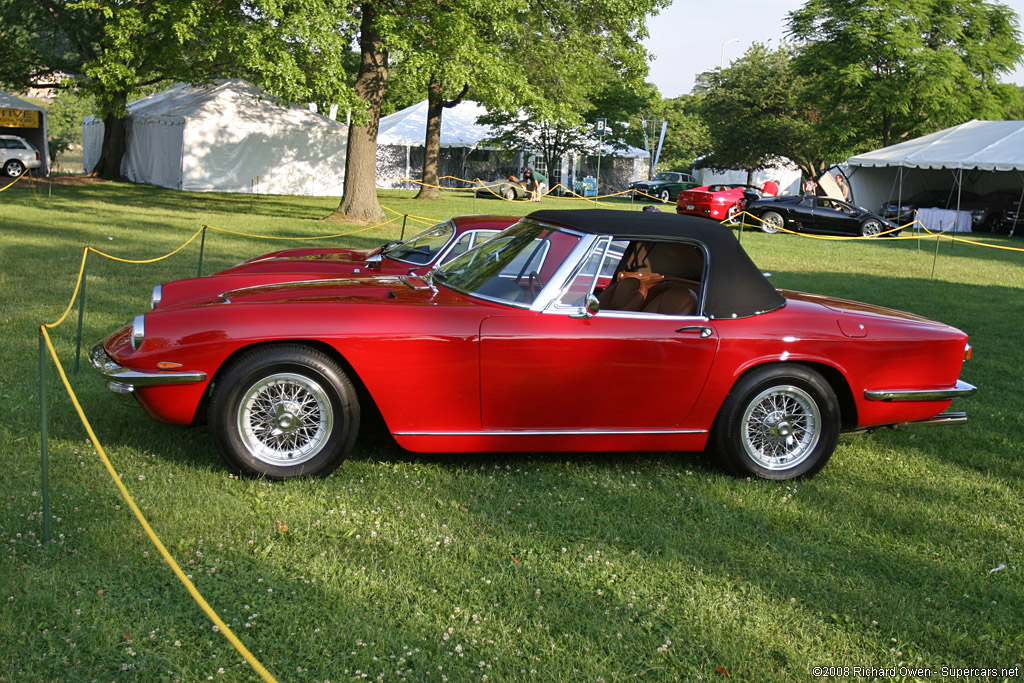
(13, 168)
(510, 194)
(664, 196)
(284, 411)
(871, 228)
(772, 222)
(779, 422)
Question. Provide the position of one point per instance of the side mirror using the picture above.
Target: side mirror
(589, 310)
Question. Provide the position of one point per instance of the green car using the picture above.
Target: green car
(665, 186)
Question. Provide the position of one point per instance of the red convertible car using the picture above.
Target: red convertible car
(716, 201)
(526, 344)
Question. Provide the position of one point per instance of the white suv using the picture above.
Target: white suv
(17, 154)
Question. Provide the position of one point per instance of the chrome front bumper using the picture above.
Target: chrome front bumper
(122, 380)
(962, 389)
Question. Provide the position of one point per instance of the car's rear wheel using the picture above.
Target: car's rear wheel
(664, 196)
(731, 213)
(871, 228)
(14, 168)
(284, 411)
(779, 422)
(772, 222)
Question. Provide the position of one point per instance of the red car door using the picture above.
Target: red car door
(556, 372)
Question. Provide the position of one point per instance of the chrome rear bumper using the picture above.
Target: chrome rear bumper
(962, 389)
(942, 419)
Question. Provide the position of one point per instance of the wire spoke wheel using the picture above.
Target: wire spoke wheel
(780, 427)
(285, 419)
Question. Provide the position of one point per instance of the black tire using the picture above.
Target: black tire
(299, 393)
(13, 168)
(871, 228)
(772, 222)
(664, 196)
(779, 422)
(510, 194)
(731, 213)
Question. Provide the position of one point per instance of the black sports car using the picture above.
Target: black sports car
(818, 215)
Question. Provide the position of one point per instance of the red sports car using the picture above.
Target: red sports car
(526, 344)
(716, 201)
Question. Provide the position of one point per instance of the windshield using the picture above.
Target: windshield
(512, 266)
(424, 247)
(666, 176)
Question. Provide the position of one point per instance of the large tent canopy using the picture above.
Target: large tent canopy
(981, 156)
(458, 126)
(24, 119)
(402, 135)
(229, 136)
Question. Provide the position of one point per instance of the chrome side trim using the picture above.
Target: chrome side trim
(122, 376)
(962, 389)
(956, 418)
(558, 432)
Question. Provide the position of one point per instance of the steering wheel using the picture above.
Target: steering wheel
(535, 282)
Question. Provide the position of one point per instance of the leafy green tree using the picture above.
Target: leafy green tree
(753, 110)
(541, 58)
(884, 71)
(686, 135)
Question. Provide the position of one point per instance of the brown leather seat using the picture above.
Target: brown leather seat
(670, 298)
(622, 295)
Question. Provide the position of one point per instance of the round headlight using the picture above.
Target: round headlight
(138, 331)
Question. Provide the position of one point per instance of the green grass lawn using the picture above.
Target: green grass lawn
(904, 551)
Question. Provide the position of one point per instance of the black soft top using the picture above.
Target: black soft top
(736, 288)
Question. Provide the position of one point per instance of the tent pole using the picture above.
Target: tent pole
(1016, 214)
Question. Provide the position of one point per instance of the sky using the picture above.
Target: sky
(692, 36)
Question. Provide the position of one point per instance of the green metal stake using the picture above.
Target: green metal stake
(405, 217)
(202, 247)
(936, 256)
(43, 445)
(81, 312)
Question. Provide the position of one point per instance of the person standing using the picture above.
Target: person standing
(843, 187)
(810, 187)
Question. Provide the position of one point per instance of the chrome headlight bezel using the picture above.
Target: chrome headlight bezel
(138, 331)
(156, 296)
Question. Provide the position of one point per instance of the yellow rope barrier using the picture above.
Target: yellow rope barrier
(23, 174)
(193, 591)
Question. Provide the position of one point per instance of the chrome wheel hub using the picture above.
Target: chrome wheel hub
(781, 427)
(285, 419)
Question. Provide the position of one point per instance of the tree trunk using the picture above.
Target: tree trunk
(115, 143)
(436, 104)
(432, 152)
(359, 201)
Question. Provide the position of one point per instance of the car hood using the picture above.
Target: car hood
(333, 290)
(302, 259)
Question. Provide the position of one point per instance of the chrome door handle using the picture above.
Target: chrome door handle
(705, 331)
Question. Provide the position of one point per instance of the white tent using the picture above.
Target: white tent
(783, 172)
(981, 156)
(458, 126)
(24, 119)
(401, 137)
(226, 137)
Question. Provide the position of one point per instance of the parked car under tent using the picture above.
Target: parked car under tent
(28, 121)
(977, 156)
